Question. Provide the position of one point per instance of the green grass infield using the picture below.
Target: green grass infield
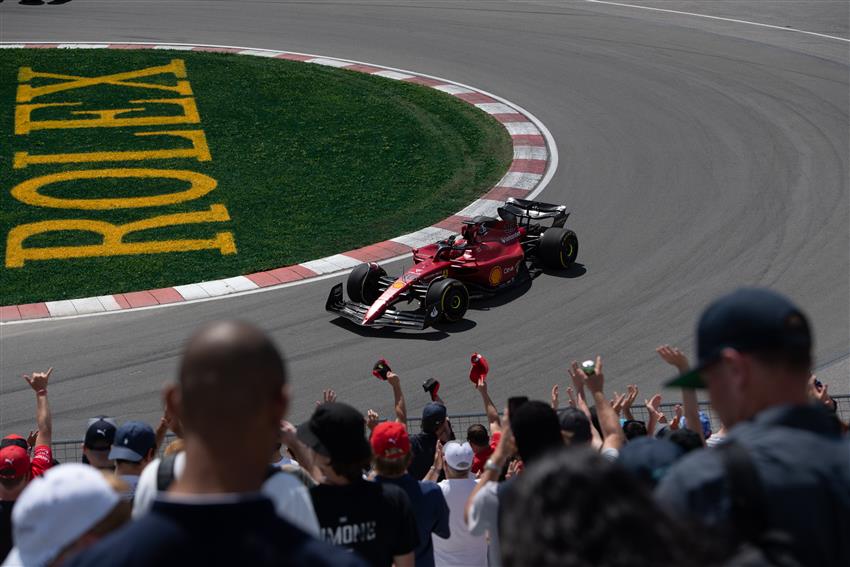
(137, 169)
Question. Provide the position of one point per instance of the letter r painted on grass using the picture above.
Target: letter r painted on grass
(113, 238)
(177, 67)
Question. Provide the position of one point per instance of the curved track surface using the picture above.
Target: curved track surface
(696, 155)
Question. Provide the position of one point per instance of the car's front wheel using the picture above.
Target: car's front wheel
(449, 297)
(363, 281)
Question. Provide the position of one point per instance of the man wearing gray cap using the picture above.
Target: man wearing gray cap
(781, 481)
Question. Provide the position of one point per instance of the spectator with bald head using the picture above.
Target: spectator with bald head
(230, 398)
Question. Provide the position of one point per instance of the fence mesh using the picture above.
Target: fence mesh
(72, 451)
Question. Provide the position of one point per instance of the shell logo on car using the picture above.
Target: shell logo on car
(496, 275)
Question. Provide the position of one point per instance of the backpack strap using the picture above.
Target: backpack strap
(165, 472)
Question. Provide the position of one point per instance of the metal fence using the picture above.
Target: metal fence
(72, 451)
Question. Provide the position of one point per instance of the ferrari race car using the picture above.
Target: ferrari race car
(489, 256)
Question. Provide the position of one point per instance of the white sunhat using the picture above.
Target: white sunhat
(458, 455)
(55, 510)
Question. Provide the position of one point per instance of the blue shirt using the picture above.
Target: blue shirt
(802, 463)
(431, 512)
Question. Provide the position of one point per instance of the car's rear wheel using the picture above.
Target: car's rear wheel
(558, 248)
(363, 282)
(450, 297)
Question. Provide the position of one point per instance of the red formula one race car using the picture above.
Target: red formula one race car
(489, 256)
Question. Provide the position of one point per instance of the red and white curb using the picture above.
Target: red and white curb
(534, 163)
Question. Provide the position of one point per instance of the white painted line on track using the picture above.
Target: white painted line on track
(392, 75)
(61, 308)
(521, 129)
(257, 52)
(109, 303)
(82, 46)
(177, 47)
(748, 22)
(427, 235)
(329, 62)
(495, 108)
(454, 89)
(485, 207)
(330, 264)
(529, 152)
(519, 180)
(87, 305)
(191, 291)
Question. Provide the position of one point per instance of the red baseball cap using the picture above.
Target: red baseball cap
(14, 463)
(480, 368)
(390, 440)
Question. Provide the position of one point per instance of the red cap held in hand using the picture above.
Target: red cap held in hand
(390, 440)
(480, 368)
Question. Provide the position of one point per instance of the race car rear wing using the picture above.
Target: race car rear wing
(522, 209)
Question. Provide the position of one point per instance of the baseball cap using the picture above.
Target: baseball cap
(576, 422)
(132, 442)
(480, 368)
(390, 440)
(748, 320)
(14, 462)
(648, 458)
(56, 509)
(458, 455)
(433, 415)
(100, 433)
(16, 440)
(337, 431)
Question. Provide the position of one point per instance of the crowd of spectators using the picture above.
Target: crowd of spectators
(583, 483)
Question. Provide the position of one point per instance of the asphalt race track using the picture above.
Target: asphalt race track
(696, 155)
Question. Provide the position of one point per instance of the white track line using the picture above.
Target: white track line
(719, 18)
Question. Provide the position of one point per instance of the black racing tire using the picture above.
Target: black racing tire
(450, 297)
(362, 283)
(558, 248)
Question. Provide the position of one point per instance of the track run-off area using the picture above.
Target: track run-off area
(695, 154)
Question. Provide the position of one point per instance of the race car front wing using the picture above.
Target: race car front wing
(355, 312)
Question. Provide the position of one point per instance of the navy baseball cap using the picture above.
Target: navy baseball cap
(576, 422)
(433, 415)
(747, 320)
(100, 432)
(133, 440)
(648, 459)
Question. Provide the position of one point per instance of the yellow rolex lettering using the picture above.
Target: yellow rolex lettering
(113, 238)
(199, 185)
(111, 118)
(199, 151)
(26, 93)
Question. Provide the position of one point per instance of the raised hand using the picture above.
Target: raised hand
(554, 401)
(652, 406)
(595, 382)
(31, 438)
(674, 357)
(617, 402)
(38, 380)
(572, 397)
(327, 396)
(372, 419)
(288, 434)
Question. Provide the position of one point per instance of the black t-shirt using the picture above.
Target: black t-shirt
(242, 533)
(375, 520)
(5, 528)
(422, 446)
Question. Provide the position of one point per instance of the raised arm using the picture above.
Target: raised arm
(675, 357)
(612, 434)
(38, 382)
(581, 403)
(489, 407)
(398, 396)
